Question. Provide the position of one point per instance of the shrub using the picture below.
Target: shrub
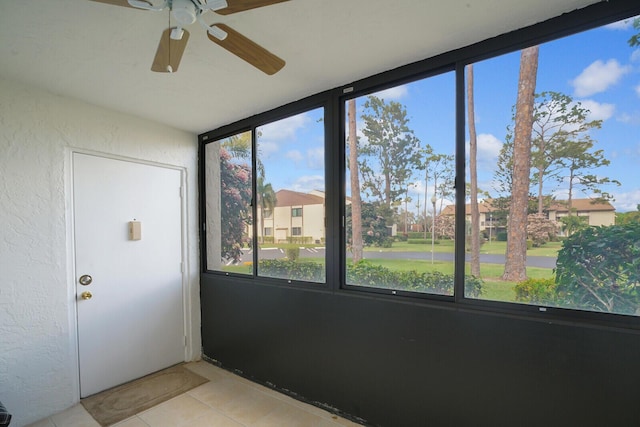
(294, 270)
(537, 291)
(501, 236)
(292, 253)
(366, 274)
(598, 268)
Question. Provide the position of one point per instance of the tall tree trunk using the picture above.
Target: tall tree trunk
(516, 256)
(356, 203)
(473, 171)
(540, 175)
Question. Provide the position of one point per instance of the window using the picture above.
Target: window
(400, 187)
(388, 219)
(228, 204)
(570, 173)
(290, 168)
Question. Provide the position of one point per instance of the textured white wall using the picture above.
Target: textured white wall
(38, 130)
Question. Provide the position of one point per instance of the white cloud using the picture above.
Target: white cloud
(630, 118)
(294, 155)
(598, 77)
(488, 150)
(315, 158)
(637, 89)
(307, 183)
(266, 149)
(635, 56)
(393, 93)
(283, 129)
(628, 201)
(598, 111)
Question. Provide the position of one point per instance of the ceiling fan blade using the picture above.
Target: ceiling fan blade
(169, 52)
(235, 6)
(248, 50)
(124, 3)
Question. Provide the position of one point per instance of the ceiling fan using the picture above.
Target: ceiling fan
(185, 12)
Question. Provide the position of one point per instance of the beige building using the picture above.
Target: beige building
(597, 213)
(296, 215)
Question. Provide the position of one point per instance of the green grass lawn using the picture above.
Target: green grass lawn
(494, 287)
(550, 249)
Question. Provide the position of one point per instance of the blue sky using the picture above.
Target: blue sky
(596, 68)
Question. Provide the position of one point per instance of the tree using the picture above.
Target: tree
(427, 152)
(473, 177)
(558, 120)
(386, 161)
(356, 202)
(628, 217)
(442, 170)
(577, 160)
(540, 230)
(516, 254)
(374, 228)
(235, 201)
(266, 201)
(598, 268)
(635, 39)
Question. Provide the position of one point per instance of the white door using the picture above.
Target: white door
(131, 323)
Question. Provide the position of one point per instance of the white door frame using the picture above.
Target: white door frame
(71, 251)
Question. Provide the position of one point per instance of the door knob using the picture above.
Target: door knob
(85, 280)
(86, 295)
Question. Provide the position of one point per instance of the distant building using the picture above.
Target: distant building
(596, 213)
(296, 215)
(600, 213)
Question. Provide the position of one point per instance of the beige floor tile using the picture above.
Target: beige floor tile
(236, 400)
(131, 422)
(292, 416)
(214, 419)
(76, 416)
(43, 423)
(175, 412)
(207, 370)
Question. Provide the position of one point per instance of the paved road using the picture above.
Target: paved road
(274, 253)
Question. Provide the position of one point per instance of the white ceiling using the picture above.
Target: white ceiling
(101, 54)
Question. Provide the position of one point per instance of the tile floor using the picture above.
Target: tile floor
(227, 400)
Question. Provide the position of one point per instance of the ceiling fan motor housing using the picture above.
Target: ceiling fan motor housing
(184, 12)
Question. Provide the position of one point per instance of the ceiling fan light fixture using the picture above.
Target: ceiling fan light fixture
(184, 11)
(217, 4)
(177, 33)
(217, 32)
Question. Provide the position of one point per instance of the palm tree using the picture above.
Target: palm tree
(266, 201)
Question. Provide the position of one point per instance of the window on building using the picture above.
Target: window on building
(268, 231)
(296, 231)
(296, 212)
(400, 146)
(550, 181)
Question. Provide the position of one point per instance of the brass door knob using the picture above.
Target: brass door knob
(86, 295)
